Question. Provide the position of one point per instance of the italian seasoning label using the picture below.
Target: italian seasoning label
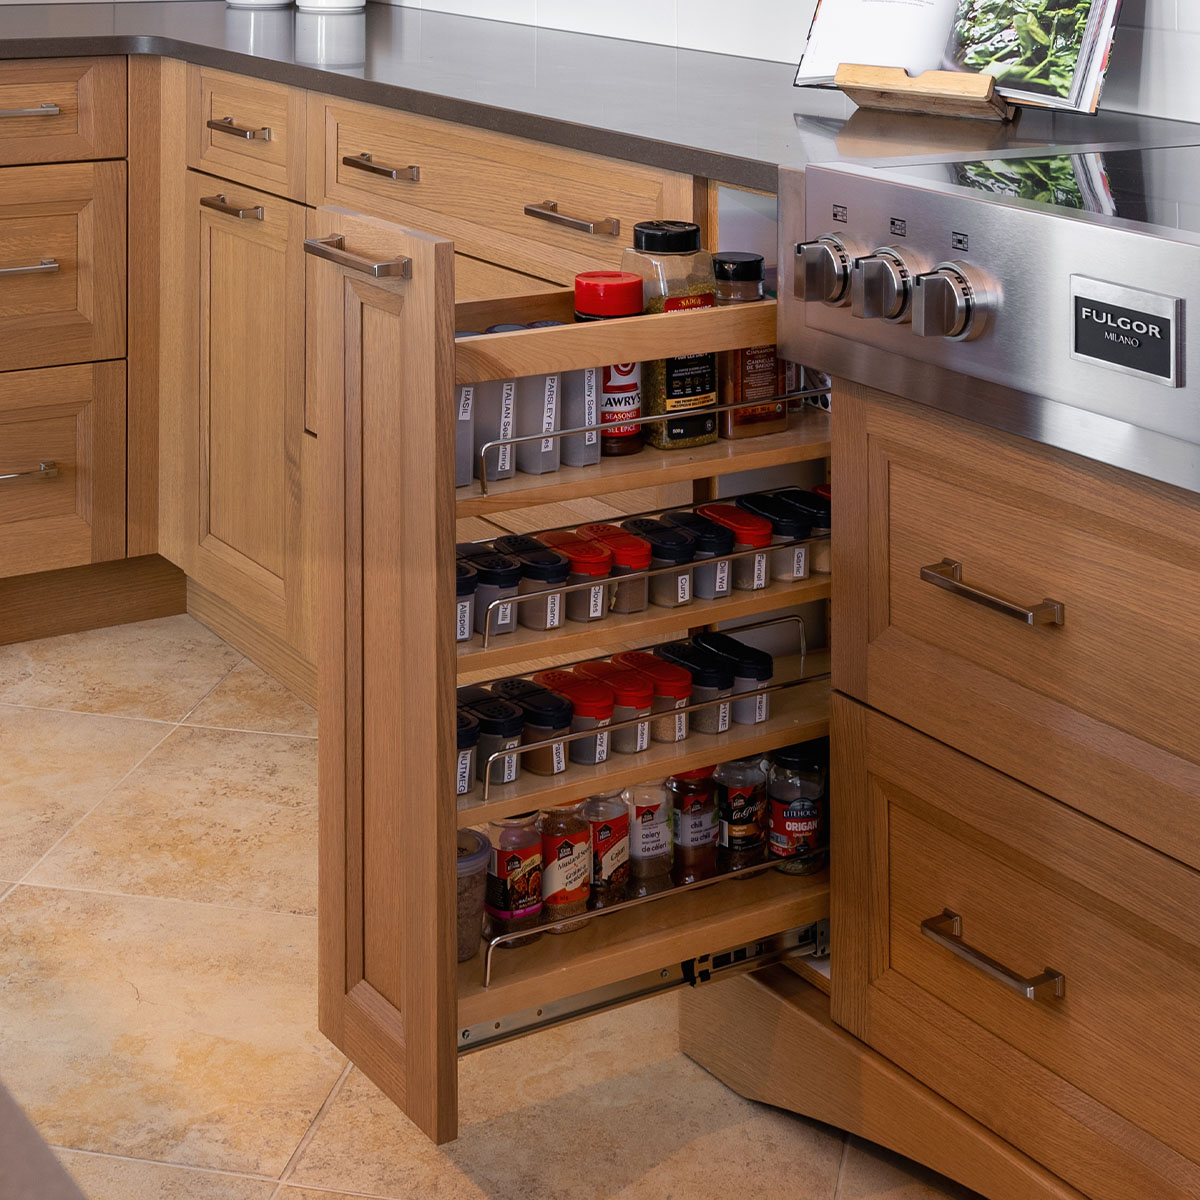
(504, 462)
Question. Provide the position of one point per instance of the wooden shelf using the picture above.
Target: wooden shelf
(805, 440)
(622, 629)
(640, 939)
(797, 715)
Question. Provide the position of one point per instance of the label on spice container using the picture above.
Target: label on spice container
(591, 405)
(681, 719)
(596, 601)
(504, 463)
(650, 830)
(689, 380)
(800, 562)
(643, 735)
(761, 704)
(549, 411)
(620, 398)
(462, 777)
(509, 762)
(610, 849)
(602, 742)
(553, 604)
(752, 373)
(683, 587)
(567, 873)
(760, 571)
(462, 624)
(558, 756)
(722, 584)
(514, 882)
(796, 827)
(723, 717)
(466, 397)
(743, 815)
(695, 823)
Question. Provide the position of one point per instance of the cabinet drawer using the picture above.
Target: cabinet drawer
(62, 467)
(473, 185)
(62, 264)
(1084, 1083)
(246, 130)
(61, 109)
(1089, 711)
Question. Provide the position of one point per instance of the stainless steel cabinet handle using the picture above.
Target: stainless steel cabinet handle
(334, 249)
(948, 574)
(946, 930)
(221, 205)
(548, 211)
(42, 110)
(48, 266)
(364, 162)
(226, 125)
(45, 470)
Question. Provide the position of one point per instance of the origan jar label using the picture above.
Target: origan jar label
(795, 827)
(567, 869)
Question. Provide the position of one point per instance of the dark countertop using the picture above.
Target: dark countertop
(732, 119)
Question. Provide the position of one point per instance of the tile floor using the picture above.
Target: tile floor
(157, 978)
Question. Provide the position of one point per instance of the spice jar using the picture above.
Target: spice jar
(798, 806)
(537, 411)
(471, 693)
(466, 580)
(495, 415)
(753, 533)
(633, 697)
(567, 870)
(464, 427)
(677, 276)
(742, 811)
(513, 896)
(588, 561)
(712, 679)
(608, 820)
(672, 691)
(752, 372)
(650, 852)
(817, 507)
(670, 546)
(693, 825)
(593, 705)
(543, 572)
(474, 851)
(631, 555)
(787, 525)
(500, 725)
(468, 740)
(752, 669)
(498, 578)
(710, 581)
(547, 716)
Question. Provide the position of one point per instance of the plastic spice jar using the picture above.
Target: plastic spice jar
(470, 693)
(543, 573)
(500, 726)
(672, 692)
(798, 807)
(753, 533)
(474, 851)
(495, 420)
(817, 506)
(650, 852)
(464, 428)
(742, 812)
(589, 562)
(752, 669)
(630, 555)
(712, 679)
(710, 581)
(567, 870)
(788, 524)
(693, 825)
(677, 276)
(466, 580)
(498, 578)
(468, 740)
(513, 896)
(608, 820)
(547, 716)
(593, 705)
(670, 547)
(633, 700)
(538, 411)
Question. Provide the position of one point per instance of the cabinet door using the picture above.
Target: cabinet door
(381, 368)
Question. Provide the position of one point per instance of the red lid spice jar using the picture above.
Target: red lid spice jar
(590, 562)
(566, 865)
(631, 554)
(593, 704)
(672, 691)
(752, 533)
(633, 697)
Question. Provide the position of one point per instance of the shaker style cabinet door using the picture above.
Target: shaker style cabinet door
(381, 374)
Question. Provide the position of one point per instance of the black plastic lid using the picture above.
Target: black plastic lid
(537, 560)
(547, 708)
(468, 730)
(711, 538)
(516, 544)
(748, 661)
(803, 756)
(667, 237)
(706, 670)
(819, 508)
(497, 570)
(470, 693)
(514, 689)
(466, 578)
(738, 267)
(500, 718)
(786, 520)
(670, 543)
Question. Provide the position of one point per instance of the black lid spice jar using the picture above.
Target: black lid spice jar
(712, 679)
(693, 825)
(742, 813)
(497, 578)
(500, 726)
(712, 581)
(468, 740)
(670, 546)
(788, 524)
(466, 580)
(798, 803)
(752, 669)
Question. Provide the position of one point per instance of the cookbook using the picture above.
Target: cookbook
(1045, 52)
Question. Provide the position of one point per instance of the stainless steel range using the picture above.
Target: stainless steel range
(1055, 295)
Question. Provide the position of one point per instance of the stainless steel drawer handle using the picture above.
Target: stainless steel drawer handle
(48, 266)
(219, 204)
(365, 162)
(226, 125)
(45, 470)
(948, 574)
(548, 211)
(946, 930)
(42, 110)
(334, 249)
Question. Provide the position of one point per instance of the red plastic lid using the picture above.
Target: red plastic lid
(586, 558)
(608, 293)
(824, 489)
(590, 697)
(630, 688)
(628, 550)
(749, 529)
(668, 678)
(699, 773)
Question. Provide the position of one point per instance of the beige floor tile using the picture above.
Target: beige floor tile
(103, 1178)
(157, 669)
(213, 816)
(872, 1173)
(54, 767)
(248, 698)
(606, 1107)
(157, 1029)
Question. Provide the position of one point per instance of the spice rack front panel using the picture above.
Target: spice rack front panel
(380, 329)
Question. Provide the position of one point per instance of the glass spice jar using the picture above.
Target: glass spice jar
(650, 852)
(742, 812)
(694, 825)
(474, 850)
(798, 805)
(608, 819)
(567, 869)
(513, 892)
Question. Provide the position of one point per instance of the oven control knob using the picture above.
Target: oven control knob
(822, 270)
(881, 286)
(951, 301)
